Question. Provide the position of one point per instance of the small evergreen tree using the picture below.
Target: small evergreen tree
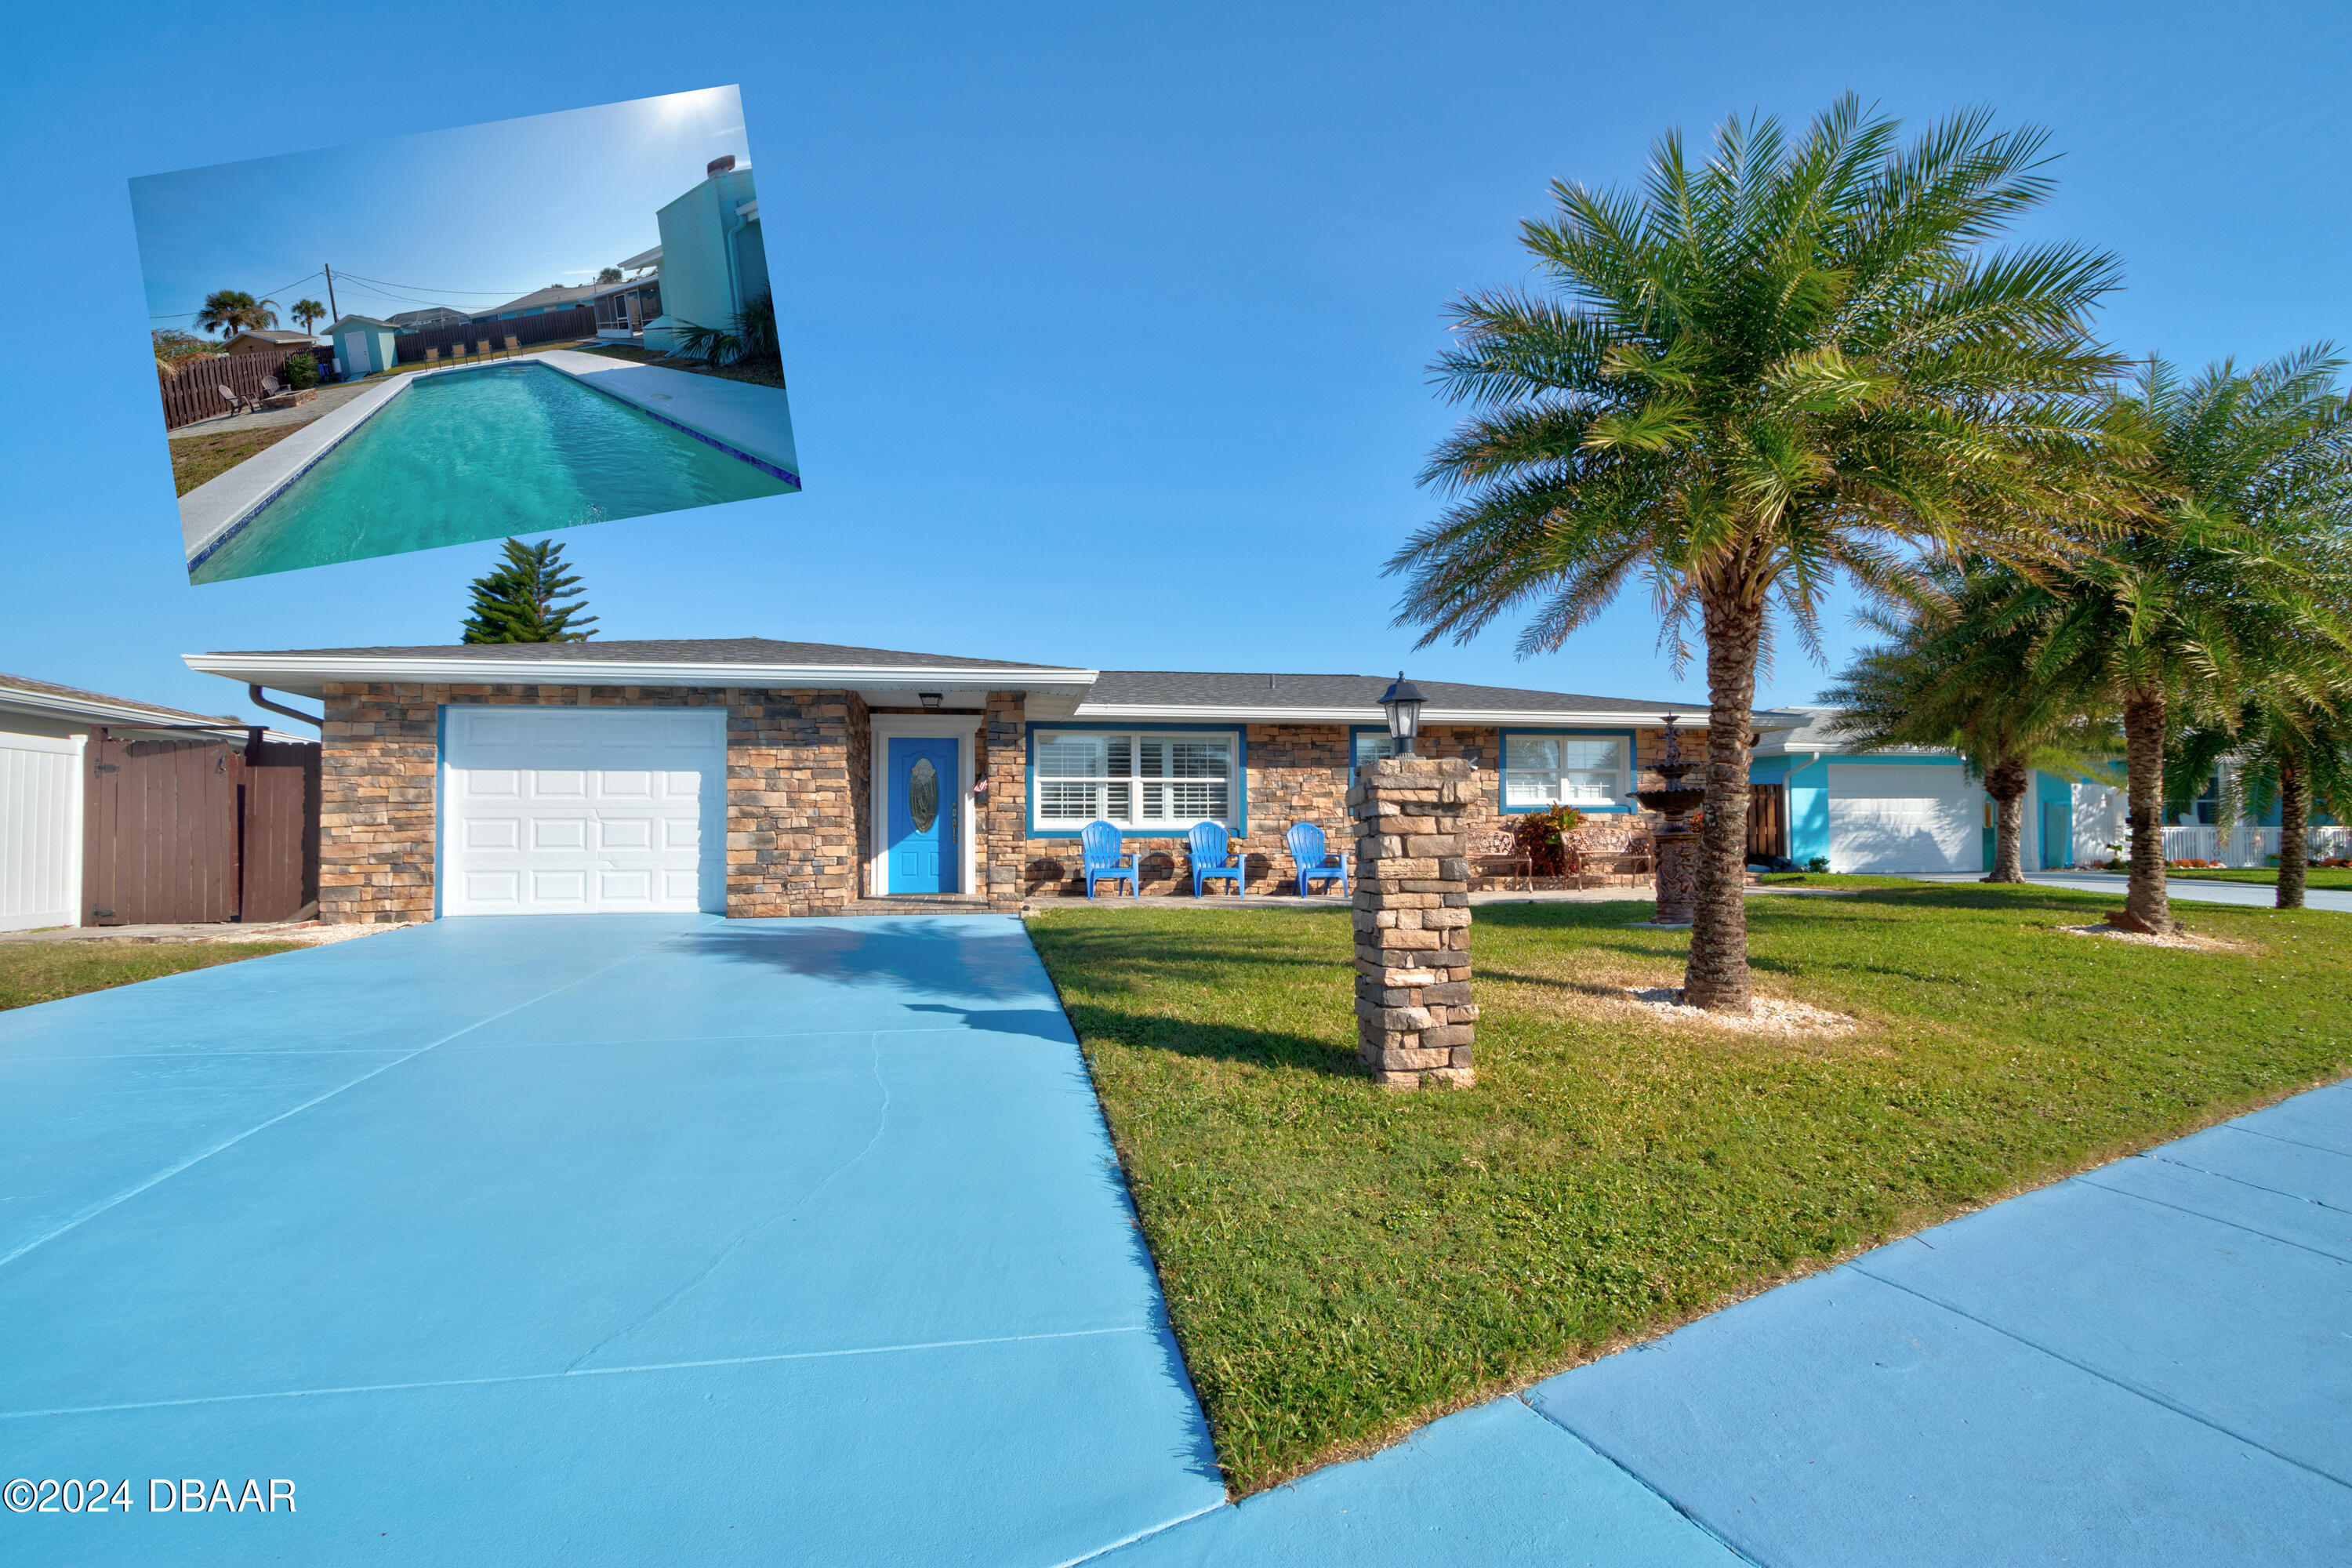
(516, 601)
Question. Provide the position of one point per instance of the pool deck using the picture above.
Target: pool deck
(755, 420)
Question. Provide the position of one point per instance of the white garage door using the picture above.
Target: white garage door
(1923, 818)
(582, 811)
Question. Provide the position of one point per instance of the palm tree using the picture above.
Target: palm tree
(1957, 674)
(2292, 753)
(232, 310)
(2223, 589)
(309, 312)
(1794, 360)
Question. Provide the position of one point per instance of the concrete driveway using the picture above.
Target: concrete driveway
(603, 1239)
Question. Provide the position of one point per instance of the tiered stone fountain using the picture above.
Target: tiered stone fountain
(1675, 840)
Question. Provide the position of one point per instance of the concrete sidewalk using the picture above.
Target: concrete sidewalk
(2182, 889)
(2149, 1363)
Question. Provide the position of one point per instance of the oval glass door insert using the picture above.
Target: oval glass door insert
(923, 795)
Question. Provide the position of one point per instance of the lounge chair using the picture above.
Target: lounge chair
(514, 344)
(1098, 850)
(433, 355)
(484, 352)
(1211, 858)
(271, 386)
(237, 405)
(457, 354)
(1308, 852)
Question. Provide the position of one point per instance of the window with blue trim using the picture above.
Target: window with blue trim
(1133, 779)
(1371, 746)
(1543, 771)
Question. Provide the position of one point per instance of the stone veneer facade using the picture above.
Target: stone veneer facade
(797, 814)
(799, 796)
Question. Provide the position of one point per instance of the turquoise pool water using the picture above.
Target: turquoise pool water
(483, 454)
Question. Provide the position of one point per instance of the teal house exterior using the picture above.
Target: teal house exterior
(363, 345)
(1918, 808)
(714, 257)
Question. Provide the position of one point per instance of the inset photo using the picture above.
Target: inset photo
(469, 335)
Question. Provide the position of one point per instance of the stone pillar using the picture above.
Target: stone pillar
(1413, 1013)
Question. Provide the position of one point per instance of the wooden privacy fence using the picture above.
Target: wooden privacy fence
(194, 829)
(551, 327)
(1768, 822)
(195, 392)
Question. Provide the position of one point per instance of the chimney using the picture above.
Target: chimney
(720, 165)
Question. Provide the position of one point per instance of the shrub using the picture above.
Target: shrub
(300, 371)
(1542, 837)
(1818, 863)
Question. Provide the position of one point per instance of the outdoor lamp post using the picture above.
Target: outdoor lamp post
(1402, 702)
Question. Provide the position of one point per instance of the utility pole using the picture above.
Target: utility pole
(331, 293)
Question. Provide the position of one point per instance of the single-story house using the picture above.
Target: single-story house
(363, 345)
(714, 257)
(432, 316)
(258, 342)
(755, 777)
(1917, 808)
(539, 301)
(116, 811)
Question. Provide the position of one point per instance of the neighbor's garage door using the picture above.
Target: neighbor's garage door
(1925, 817)
(570, 811)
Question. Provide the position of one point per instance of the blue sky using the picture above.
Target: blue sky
(469, 217)
(1106, 328)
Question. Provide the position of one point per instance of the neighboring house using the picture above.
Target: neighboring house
(714, 256)
(437, 316)
(115, 811)
(363, 345)
(1917, 808)
(752, 777)
(538, 301)
(255, 342)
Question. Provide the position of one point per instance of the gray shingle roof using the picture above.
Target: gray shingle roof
(27, 684)
(684, 650)
(1219, 688)
(1813, 732)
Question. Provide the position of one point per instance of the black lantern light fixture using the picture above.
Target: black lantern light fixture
(1402, 702)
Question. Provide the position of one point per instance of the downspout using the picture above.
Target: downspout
(316, 721)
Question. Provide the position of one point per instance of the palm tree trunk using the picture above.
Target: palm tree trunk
(2007, 782)
(2147, 906)
(2294, 831)
(1717, 975)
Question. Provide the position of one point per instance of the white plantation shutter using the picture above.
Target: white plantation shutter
(1134, 779)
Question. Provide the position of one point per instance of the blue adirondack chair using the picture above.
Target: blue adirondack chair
(1308, 853)
(1099, 848)
(1212, 859)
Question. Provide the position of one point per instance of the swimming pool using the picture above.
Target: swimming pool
(461, 456)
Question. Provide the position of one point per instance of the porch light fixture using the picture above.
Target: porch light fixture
(1402, 702)
(931, 699)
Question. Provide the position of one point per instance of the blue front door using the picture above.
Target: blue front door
(923, 796)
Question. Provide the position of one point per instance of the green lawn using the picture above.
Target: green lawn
(2313, 876)
(34, 972)
(1343, 1262)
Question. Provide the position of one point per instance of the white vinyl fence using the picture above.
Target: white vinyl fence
(2245, 846)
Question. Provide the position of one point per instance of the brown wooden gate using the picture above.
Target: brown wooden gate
(189, 830)
(1768, 822)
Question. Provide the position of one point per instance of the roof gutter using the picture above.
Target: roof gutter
(1644, 719)
(311, 676)
(83, 710)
